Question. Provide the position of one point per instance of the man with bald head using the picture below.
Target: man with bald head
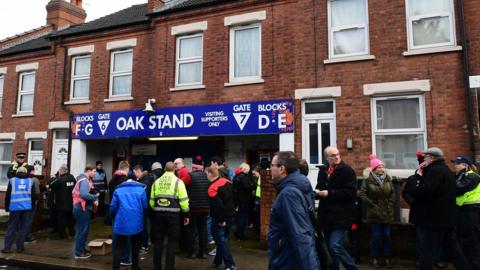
(182, 172)
(168, 200)
(336, 190)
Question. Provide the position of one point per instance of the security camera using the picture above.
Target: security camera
(148, 106)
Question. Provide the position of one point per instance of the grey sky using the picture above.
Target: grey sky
(17, 16)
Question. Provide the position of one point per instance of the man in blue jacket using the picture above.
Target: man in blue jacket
(127, 207)
(291, 236)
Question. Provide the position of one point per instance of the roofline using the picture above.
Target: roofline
(58, 35)
(26, 51)
(180, 9)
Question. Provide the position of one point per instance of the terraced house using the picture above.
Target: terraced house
(242, 79)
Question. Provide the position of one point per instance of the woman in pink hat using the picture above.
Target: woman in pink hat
(378, 194)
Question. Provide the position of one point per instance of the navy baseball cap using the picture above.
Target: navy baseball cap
(462, 159)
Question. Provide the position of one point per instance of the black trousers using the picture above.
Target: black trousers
(65, 221)
(429, 239)
(166, 225)
(121, 242)
(467, 233)
(198, 223)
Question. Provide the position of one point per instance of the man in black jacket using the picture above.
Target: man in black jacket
(336, 190)
(433, 210)
(62, 186)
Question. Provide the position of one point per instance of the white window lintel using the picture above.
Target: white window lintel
(396, 87)
(189, 28)
(3, 70)
(81, 50)
(25, 67)
(7, 136)
(245, 18)
(120, 44)
(323, 92)
(35, 135)
(58, 125)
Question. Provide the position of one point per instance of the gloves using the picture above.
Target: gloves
(354, 227)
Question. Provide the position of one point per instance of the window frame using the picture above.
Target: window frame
(195, 59)
(6, 162)
(119, 73)
(331, 30)
(27, 92)
(2, 78)
(32, 153)
(411, 19)
(232, 77)
(422, 130)
(73, 78)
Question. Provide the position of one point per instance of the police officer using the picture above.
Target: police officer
(19, 162)
(18, 201)
(168, 198)
(468, 202)
(100, 184)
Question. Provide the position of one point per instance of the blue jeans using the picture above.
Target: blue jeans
(209, 228)
(220, 234)
(125, 257)
(242, 220)
(83, 225)
(17, 221)
(337, 250)
(380, 231)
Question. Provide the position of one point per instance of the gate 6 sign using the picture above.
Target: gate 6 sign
(261, 117)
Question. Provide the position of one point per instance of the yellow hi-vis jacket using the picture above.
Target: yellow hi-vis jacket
(169, 194)
(470, 197)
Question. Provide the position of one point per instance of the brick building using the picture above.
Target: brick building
(367, 76)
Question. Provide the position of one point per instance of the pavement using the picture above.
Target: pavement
(58, 254)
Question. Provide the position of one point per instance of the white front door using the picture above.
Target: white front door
(60, 154)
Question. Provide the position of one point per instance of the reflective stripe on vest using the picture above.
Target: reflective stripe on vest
(77, 199)
(166, 202)
(258, 192)
(20, 197)
(470, 197)
(98, 181)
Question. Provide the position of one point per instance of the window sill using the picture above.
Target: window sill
(22, 115)
(402, 173)
(244, 82)
(113, 99)
(189, 87)
(3, 188)
(81, 101)
(432, 50)
(349, 59)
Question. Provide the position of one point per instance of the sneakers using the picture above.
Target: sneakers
(30, 240)
(144, 250)
(211, 242)
(213, 252)
(83, 255)
(233, 267)
(126, 263)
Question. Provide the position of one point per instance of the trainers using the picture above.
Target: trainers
(143, 251)
(233, 267)
(211, 242)
(213, 252)
(126, 263)
(30, 240)
(83, 256)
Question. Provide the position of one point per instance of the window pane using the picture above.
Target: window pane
(319, 107)
(247, 51)
(349, 41)
(61, 134)
(191, 47)
(348, 12)
(424, 7)
(1, 85)
(122, 62)
(313, 142)
(398, 113)
(82, 66)
(28, 82)
(122, 85)
(431, 31)
(26, 102)
(190, 73)
(6, 152)
(1, 102)
(80, 88)
(37, 145)
(399, 151)
(3, 175)
(325, 138)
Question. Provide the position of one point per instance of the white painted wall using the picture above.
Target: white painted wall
(78, 159)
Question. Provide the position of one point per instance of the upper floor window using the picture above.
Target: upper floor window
(430, 23)
(245, 53)
(2, 79)
(189, 60)
(26, 92)
(121, 73)
(80, 77)
(348, 28)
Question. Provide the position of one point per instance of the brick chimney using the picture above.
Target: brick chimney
(153, 4)
(61, 13)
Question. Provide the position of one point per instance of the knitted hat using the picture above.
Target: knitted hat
(98, 162)
(156, 165)
(375, 162)
(198, 160)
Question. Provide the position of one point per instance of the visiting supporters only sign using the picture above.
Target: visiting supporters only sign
(260, 117)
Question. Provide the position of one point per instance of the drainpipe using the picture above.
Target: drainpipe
(466, 80)
(62, 103)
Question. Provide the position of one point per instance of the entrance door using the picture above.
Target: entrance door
(60, 150)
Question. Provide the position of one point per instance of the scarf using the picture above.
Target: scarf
(379, 179)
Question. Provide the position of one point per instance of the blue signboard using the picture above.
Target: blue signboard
(262, 117)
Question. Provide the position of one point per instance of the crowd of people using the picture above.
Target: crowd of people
(444, 207)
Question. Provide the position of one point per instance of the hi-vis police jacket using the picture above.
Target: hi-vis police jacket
(169, 194)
